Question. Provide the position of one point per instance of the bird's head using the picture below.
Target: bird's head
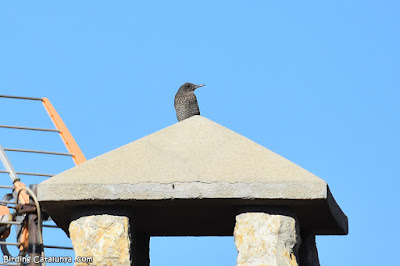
(189, 86)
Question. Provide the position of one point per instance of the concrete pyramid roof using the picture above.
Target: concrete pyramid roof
(196, 159)
(197, 151)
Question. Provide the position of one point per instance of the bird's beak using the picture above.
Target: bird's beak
(198, 86)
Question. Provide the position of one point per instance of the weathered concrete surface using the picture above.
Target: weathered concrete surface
(105, 238)
(266, 239)
(202, 159)
(196, 166)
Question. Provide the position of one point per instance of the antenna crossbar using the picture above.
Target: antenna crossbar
(31, 128)
(21, 97)
(37, 151)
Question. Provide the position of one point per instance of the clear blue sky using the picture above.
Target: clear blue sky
(315, 81)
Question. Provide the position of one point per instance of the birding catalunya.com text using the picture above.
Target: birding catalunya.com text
(40, 259)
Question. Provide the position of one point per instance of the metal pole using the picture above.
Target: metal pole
(10, 243)
(21, 97)
(35, 249)
(34, 174)
(36, 151)
(7, 187)
(30, 128)
(66, 136)
(10, 222)
(50, 226)
(7, 202)
(8, 165)
(58, 247)
(26, 173)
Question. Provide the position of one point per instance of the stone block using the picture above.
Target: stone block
(266, 239)
(105, 238)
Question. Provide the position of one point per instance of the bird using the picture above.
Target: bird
(186, 102)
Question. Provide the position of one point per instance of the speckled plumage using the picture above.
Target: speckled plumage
(186, 102)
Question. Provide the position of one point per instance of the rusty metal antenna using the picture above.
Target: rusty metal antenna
(61, 128)
(26, 210)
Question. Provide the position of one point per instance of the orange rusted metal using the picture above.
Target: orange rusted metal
(24, 239)
(23, 197)
(66, 136)
(5, 216)
(4, 210)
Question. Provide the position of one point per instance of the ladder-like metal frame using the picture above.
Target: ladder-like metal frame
(61, 128)
(23, 198)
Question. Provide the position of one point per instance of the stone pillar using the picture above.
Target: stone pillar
(266, 239)
(105, 238)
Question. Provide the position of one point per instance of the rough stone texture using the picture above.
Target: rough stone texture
(266, 239)
(308, 252)
(103, 237)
